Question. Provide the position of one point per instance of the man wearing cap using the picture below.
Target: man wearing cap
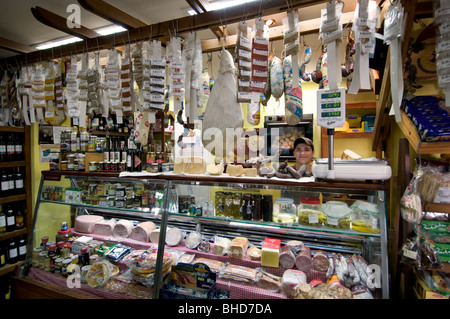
(303, 153)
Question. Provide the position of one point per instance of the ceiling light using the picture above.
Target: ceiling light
(192, 12)
(110, 30)
(58, 43)
(217, 5)
(269, 22)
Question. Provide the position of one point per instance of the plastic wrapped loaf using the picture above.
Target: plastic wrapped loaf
(104, 227)
(85, 223)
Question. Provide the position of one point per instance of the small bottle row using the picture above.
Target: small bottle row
(13, 251)
(12, 216)
(11, 147)
(12, 182)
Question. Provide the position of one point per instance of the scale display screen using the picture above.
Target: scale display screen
(331, 108)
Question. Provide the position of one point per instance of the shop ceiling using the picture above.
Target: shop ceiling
(26, 24)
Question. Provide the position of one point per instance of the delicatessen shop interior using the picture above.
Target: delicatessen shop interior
(266, 150)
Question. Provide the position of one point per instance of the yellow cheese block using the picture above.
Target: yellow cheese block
(270, 257)
(214, 169)
(235, 170)
(189, 165)
(252, 172)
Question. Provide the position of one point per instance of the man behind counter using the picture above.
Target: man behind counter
(303, 153)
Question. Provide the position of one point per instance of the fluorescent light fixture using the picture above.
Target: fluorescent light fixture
(226, 4)
(58, 43)
(220, 4)
(102, 31)
(110, 30)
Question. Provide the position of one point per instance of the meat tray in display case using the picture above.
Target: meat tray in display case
(244, 233)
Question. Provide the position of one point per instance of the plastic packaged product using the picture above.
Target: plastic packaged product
(337, 215)
(284, 210)
(193, 240)
(310, 212)
(365, 217)
(238, 247)
(290, 279)
(240, 273)
(221, 245)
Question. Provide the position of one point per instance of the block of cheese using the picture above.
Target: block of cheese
(238, 247)
(214, 169)
(123, 228)
(85, 223)
(350, 155)
(141, 232)
(270, 252)
(189, 165)
(252, 172)
(104, 227)
(235, 170)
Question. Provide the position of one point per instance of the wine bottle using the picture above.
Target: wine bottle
(3, 155)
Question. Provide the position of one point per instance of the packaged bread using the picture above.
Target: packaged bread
(238, 247)
(221, 245)
(214, 265)
(254, 253)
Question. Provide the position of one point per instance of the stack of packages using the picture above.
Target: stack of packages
(364, 28)
(176, 73)
(113, 83)
(59, 87)
(244, 56)
(38, 94)
(260, 71)
(83, 90)
(292, 88)
(192, 55)
(126, 83)
(441, 16)
(153, 77)
(94, 93)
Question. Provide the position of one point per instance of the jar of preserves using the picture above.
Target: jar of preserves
(365, 217)
(284, 210)
(219, 203)
(120, 202)
(100, 166)
(247, 207)
(154, 168)
(228, 203)
(35, 256)
(236, 205)
(336, 215)
(257, 214)
(310, 212)
(71, 162)
(92, 166)
(64, 166)
(81, 163)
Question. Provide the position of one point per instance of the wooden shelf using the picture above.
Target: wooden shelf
(12, 164)
(12, 234)
(437, 207)
(12, 129)
(353, 135)
(13, 198)
(8, 268)
(409, 129)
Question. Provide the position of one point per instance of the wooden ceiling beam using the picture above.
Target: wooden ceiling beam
(196, 5)
(15, 46)
(164, 29)
(60, 23)
(111, 13)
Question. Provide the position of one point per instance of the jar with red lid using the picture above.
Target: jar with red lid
(64, 233)
(310, 212)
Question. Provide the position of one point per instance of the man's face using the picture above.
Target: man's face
(303, 153)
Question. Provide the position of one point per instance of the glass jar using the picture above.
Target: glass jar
(257, 214)
(247, 207)
(71, 162)
(336, 215)
(103, 200)
(154, 168)
(35, 256)
(284, 210)
(81, 163)
(236, 205)
(64, 166)
(309, 212)
(120, 202)
(365, 217)
(228, 202)
(219, 203)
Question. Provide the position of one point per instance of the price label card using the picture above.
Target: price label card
(331, 108)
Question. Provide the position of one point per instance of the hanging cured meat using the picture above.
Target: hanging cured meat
(222, 110)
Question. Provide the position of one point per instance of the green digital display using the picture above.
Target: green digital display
(331, 105)
(331, 114)
(331, 95)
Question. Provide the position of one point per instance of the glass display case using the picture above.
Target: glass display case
(220, 221)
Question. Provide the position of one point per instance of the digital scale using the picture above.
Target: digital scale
(331, 114)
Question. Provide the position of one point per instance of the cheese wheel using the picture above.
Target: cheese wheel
(173, 236)
(141, 232)
(123, 228)
(104, 227)
(85, 223)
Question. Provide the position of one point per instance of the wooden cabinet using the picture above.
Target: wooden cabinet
(23, 135)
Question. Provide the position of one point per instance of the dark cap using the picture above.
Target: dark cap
(304, 140)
